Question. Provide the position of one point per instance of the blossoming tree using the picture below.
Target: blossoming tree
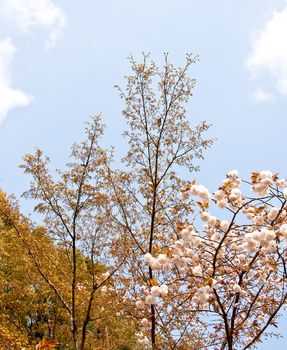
(231, 275)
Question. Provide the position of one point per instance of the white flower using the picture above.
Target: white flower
(224, 225)
(222, 204)
(266, 174)
(145, 322)
(213, 283)
(193, 190)
(151, 261)
(271, 247)
(162, 259)
(243, 293)
(252, 243)
(201, 191)
(219, 195)
(163, 290)
(281, 183)
(155, 291)
(143, 341)
(235, 195)
(197, 271)
(148, 258)
(185, 233)
(139, 304)
(233, 173)
(272, 213)
(202, 294)
(80, 286)
(260, 188)
(285, 193)
(283, 230)
(237, 288)
(188, 234)
(189, 252)
(179, 244)
(177, 259)
(250, 216)
(212, 220)
(205, 216)
(150, 300)
(106, 274)
(258, 220)
(269, 234)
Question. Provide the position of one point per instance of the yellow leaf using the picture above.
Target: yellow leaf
(200, 205)
(203, 205)
(254, 177)
(153, 282)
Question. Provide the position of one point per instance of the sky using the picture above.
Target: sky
(60, 60)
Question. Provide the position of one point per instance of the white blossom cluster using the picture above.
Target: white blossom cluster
(263, 179)
(233, 195)
(161, 261)
(202, 294)
(151, 295)
(264, 238)
(155, 292)
(143, 340)
(201, 191)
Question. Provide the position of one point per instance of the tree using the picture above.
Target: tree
(76, 209)
(27, 306)
(147, 195)
(232, 273)
(116, 217)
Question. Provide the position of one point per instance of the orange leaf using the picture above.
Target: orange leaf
(154, 282)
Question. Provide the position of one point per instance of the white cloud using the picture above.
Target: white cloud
(26, 16)
(30, 14)
(268, 55)
(9, 96)
(261, 95)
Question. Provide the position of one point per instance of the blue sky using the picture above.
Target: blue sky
(59, 61)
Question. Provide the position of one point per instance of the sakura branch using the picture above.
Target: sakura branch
(228, 270)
